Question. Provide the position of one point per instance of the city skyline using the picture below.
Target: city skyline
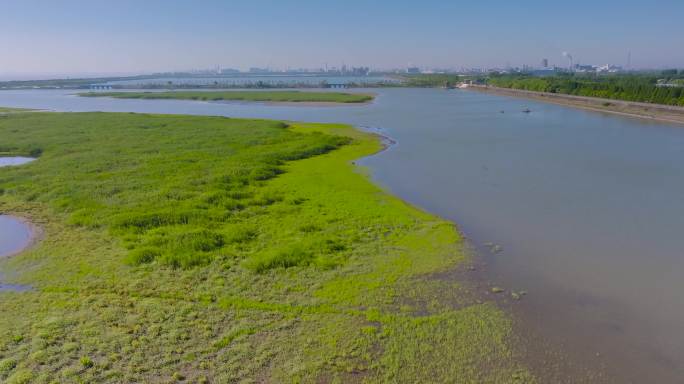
(77, 36)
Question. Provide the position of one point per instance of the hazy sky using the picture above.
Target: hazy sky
(77, 36)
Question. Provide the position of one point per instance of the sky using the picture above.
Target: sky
(127, 36)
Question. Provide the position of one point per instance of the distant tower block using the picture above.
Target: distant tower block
(545, 63)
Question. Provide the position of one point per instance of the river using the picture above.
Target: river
(586, 208)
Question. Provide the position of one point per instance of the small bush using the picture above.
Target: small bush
(142, 222)
(40, 356)
(227, 339)
(309, 228)
(291, 257)
(86, 362)
(70, 347)
(334, 245)
(185, 259)
(20, 377)
(143, 255)
(265, 198)
(232, 205)
(35, 152)
(264, 173)
(241, 235)
(202, 240)
(7, 365)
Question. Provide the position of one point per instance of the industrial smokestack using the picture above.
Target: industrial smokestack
(569, 57)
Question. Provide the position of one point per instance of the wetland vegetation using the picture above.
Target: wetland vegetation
(210, 249)
(262, 96)
(645, 88)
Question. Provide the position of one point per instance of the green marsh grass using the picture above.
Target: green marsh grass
(209, 249)
(263, 96)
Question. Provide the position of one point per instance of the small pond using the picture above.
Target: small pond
(15, 235)
(14, 160)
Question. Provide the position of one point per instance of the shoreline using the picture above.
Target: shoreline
(283, 97)
(372, 291)
(646, 111)
(545, 360)
(530, 348)
(35, 235)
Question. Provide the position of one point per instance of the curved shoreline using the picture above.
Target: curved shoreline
(394, 245)
(479, 287)
(545, 360)
(35, 233)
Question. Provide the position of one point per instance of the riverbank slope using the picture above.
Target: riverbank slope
(665, 113)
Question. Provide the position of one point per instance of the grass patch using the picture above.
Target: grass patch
(292, 256)
(223, 250)
(263, 96)
(5, 109)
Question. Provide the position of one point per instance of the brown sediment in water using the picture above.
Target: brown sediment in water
(656, 112)
(551, 331)
(548, 361)
(386, 141)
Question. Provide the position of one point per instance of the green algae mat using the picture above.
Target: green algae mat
(209, 249)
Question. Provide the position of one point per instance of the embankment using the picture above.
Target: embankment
(665, 113)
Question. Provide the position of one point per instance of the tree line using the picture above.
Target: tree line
(644, 88)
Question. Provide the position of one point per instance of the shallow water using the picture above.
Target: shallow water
(14, 288)
(15, 235)
(587, 207)
(14, 160)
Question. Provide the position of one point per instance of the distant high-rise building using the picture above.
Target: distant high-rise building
(258, 70)
(413, 70)
(545, 63)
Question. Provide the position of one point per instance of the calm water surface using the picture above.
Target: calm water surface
(15, 235)
(14, 160)
(587, 207)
